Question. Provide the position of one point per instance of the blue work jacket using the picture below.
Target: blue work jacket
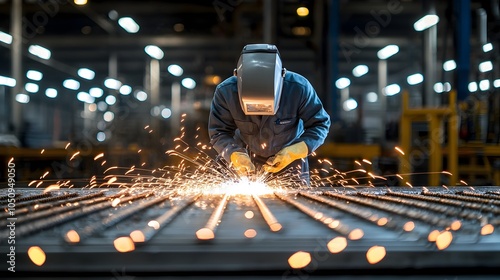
(300, 117)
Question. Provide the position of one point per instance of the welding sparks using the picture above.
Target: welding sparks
(74, 155)
(99, 156)
(51, 188)
(399, 150)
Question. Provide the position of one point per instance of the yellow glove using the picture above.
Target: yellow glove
(286, 156)
(242, 163)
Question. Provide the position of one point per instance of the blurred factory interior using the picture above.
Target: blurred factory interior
(127, 77)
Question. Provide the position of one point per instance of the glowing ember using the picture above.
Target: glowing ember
(356, 234)
(115, 202)
(299, 260)
(409, 226)
(205, 234)
(51, 188)
(37, 255)
(337, 245)
(154, 224)
(487, 229)
(124, 244)
(249, 214)
(456, 225)
(375, 254)
(137, 236)
(112, 180)
(433, 235)
(250, 233)
(444, 240)
(72, 236)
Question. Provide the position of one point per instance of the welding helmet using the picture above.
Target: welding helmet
(260, 77)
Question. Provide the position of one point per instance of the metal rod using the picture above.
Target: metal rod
(271, 221)
(144, 235)
(330, 222)
(46, 200)
(118, 217)
(479, 200)
(208, 232)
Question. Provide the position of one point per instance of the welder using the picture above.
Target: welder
(265, 117)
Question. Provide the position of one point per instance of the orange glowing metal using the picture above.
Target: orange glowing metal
(250, 233)
(99, 156)
(337, 245)
(37, 255)
(115, 202)
(72, 236)
(433, 235)
(137, 236)
(74, 155)
(456, 225)
(208, 232)
(444, 239)
(271, 221)
(249, 214)
(399, 150)
(299, 260)
(154, 224)
(333, 224)
(487, 229)
(375, 254)
(382, 221)
(409, 226)
(124, 244)
(356, 234)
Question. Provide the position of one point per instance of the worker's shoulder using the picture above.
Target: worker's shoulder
(295, 78)
(229, 82)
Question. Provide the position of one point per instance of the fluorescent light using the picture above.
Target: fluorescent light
(350, 104)
(154, 52)
(166, 113)
(472, 86)
(188, 83)
(5, 38)
(110, 100)
(39, 51)
(125, 90)
(128, 24)
(438, 87)
(175, 70)
(387, 51)
(31, 87)
(392, 89)
(22, 98)
(426, 22)
(7, 81)
(85, 97)
(51, 92)
(371, 97)
(415, 79)
(108, 116)
(71, 84)
(496, 83)
(484, 85)
(342, 83)
(449, 65)
(96, 92)
(34, 75)
(112, 83)
(360, 70)
(487, 47)
(86, 73)
(485, 66)
(141, 95)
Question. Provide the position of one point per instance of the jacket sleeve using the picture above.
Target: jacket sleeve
(221, 126)
(316, 120)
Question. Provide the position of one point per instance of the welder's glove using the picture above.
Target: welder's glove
(242, 164)
(286, 156)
